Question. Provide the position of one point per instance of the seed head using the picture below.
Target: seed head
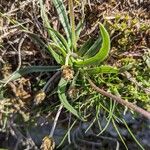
(67, 72)
(48, 143)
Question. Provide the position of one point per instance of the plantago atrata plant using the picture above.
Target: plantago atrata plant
(71, 58)
(81, 60)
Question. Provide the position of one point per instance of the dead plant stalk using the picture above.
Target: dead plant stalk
(132, 106)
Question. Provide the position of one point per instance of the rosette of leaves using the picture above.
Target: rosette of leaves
(66, 52)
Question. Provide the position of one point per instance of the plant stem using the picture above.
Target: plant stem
(55, 121)
(120, 100)
(67, 59)
(72, 22)
(54, 79)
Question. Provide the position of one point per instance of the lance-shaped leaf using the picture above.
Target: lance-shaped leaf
(46, 20)
(48, 47)
(79, 29)
(72, 23)
(47, 25)
(102, 69)
(85, 47)
(19, 73)
(62, 96)
(62, 41)
(63, 17)
(58, 49)
(93, 49)
(103, 52)
(59, 59)
(57, 55)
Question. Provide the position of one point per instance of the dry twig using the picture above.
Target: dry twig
(120, 100)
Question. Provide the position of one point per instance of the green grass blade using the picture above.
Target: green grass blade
(102, 69)
(84, 48)
(116, 128)
(111, 112)
(63, 140)
(107, 110)
(31, 69)
(13, 21)
(62, 96)
(103, 52)
(91, 124)
(132, 135)
(60, 8)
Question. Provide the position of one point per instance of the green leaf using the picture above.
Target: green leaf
(57, 56)
(117, 130)
(62, 96)
(59, 59)
(47, 24)
(102, 69)
(72, 22)
(85, 47)
(63, 43)
(103, 52)
(31, 69)
(93, 49)
(45, 19)
(60, 8)
(58, 49)
(132, 134)
(111, 112)
(36, 39)
(79, 29)
(67, 134)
